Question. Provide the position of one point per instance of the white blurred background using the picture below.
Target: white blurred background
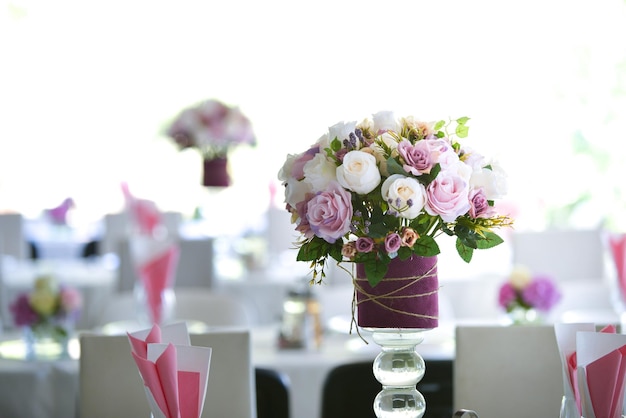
(88, 87)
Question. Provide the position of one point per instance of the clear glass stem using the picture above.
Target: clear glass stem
(569, 408)
(398, 368)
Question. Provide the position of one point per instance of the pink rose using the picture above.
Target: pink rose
(329, 213)
(409, 236)
(448, 197)
(348, 250)
(393, 242)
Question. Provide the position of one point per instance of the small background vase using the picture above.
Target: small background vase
(397, 311)
(165, 307)
(48, 340)
(524, 316)
(215, 172)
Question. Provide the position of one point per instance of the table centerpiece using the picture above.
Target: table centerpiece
(213, 128)
(377, 194)
(47, 315)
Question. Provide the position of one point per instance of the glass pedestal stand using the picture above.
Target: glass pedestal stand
(398, 368)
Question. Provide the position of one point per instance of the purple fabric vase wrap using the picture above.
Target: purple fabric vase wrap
(407, 297)
(215, 172)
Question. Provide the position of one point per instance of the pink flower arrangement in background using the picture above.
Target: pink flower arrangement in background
(526, 291)
(387, 187)
(48, 304)
(211, 127)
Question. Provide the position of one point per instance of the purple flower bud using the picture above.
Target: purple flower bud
(393, 242)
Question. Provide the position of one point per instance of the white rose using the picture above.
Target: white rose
(295, 191)
(323, 142)
(341, 130)
(358, 172)
(385, 121)
(407, 195)
(319, 172)
(493, 182)
(284, 173)
(459, 168)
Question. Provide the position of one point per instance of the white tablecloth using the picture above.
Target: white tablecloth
(307, 368)
(95, 279)
(49, 389)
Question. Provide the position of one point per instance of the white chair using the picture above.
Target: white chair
(12, 236)
(211, 308)
(110, 384)
(564, 254)
(512, 372)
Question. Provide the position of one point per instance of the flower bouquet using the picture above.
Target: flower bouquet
(385, 188)
(212, 128)
(523, 294)
(377, 194)
(49, 311)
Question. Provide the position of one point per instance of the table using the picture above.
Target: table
(95, 279)
(49, 389)
(307, 368)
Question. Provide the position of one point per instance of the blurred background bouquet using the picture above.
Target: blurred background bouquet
(213, 128)
(526, 296)
(48, 310)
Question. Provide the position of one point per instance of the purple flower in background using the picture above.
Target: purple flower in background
(507, 295)
(541, 293)
(23, 313)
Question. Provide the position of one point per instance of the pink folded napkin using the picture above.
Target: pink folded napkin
(156, 262)
(617, 244)
(175, 374)
(144, 213)
(601, 369)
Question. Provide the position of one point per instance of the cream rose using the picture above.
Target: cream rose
(406, 195)
(358, 172)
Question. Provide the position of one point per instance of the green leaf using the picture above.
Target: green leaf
(393, 167)
(427, 178)
(336, 144)
(464, 251)
(426, 246)
(313, 250)
(376, 271)
(491, 240)
(463, 120)
(439, 125)
(461, 131)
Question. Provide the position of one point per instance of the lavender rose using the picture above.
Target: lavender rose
(393, 242)
(329, 213)
(417, 157)
(479, 206)
(448, 197)
(364, 244)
